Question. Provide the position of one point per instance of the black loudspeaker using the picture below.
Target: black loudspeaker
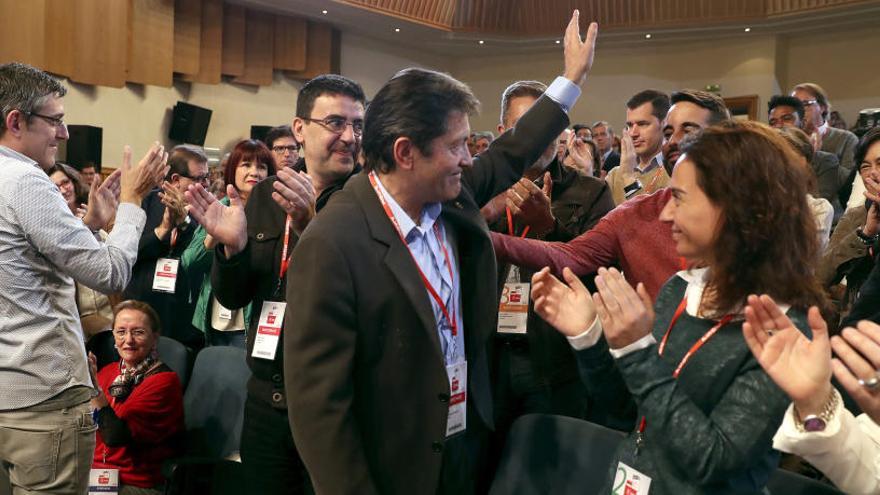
(84, 145)
(189, 123)
(258, 132)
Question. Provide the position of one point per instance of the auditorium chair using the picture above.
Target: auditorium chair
(176, 356)
(213, 406)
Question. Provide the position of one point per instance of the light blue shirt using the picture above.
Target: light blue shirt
(426, 249)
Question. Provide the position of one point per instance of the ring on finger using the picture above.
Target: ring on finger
(871, 383)
(770, 331)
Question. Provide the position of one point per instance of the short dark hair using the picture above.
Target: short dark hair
(26, 89)
(659, 102)
(818, 93)
(519, 89)
(710, 101)
(415, 103)
(148, 311)
(575, 128)
(180, 156)
(279, 132)
(866, 142)
(96, 166)
(786, 101)
(246, 150)
(326, 84)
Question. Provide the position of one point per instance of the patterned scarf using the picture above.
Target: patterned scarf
(129, 378)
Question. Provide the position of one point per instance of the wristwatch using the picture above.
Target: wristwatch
(632, 189)
(814, 423)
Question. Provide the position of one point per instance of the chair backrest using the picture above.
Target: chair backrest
(787, 483)
(555, 454)
(103, 346)
(213, 403)
(176, 356)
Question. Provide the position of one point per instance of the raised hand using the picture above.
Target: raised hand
(136, 182)
(103, 201)
(226, 224)
(295, 194)
(579, 53)
(858, 357)
(175, 204)
(626, 314)
(567, 306)
(628, 158)
(580, 156)
(801, 367)
(872, 192)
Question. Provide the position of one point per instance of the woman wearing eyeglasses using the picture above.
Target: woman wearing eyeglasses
(139, 405)
(707, 411)
(249, 164)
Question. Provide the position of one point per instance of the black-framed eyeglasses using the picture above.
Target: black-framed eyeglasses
(202, 179)
(58, 122)
(290, 148)
(337, 125)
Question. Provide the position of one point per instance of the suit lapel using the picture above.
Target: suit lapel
(397, 257)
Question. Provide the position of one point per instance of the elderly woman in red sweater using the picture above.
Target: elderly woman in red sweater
(139, 406)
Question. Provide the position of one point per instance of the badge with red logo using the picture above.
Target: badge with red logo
(456, 420)
(165, 275)
(269, 330)
(103, 481)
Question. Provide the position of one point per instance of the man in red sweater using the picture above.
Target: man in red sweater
(632, 235)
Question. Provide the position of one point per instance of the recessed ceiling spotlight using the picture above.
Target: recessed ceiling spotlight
(748, 30)
(558, 42)
(648, 36)
(324, 12)
(481, 42)
(396, 30)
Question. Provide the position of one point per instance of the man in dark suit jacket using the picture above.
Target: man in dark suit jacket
(386, 355)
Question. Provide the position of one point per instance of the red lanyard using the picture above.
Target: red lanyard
(654, 180)
(173, 241)
(285, 260)
(510, 230)
(699, 343)
(446, 314)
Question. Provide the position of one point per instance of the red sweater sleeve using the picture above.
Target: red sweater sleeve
(154, 410)
(584, 254)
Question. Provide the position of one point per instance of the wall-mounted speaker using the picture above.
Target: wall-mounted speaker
(84, 145)
(258, 132)
(189, 123)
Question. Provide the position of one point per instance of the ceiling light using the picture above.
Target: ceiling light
(396, 30)
(648, 36)
(481, 42)
(748, 30)
(558, 42)
(324, 12)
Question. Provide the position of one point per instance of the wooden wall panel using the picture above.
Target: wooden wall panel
(290, 43)
(211, 46)
(322, 53)
(187, 35)
(151, 42)
(59, 55)
(100, 40)
(23, 32)
(258, 49)
(234, 23)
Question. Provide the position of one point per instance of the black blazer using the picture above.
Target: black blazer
(366, 382)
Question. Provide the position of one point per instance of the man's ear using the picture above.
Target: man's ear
(14, 121)
(403, 152)
(297, 127)
(501, 129)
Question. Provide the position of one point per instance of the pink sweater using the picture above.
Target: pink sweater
(631, 236)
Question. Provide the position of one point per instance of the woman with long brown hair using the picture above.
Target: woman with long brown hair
(706, 410)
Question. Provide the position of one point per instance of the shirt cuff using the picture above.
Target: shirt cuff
(646, 341)
(563, 92)
(789, 438)
(589, 338)
(131, 214)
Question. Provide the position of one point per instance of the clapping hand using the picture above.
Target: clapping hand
(627, 315)
(800, 366)
(295, 194)
(579, 53)
(226, 224)
(565, 305)
(530, 204)
(858, 359)
(103, 201)
(137, 181)
(628, 158)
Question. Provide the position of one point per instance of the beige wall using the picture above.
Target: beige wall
(844, 63)
(752, 64)
(741, 66)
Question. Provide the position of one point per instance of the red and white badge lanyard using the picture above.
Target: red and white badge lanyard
(173, 241)
(448, 315)
(684, 360)
(649, 189)
(285, 259)
(510, 230)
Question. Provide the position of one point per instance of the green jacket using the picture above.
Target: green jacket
(196, 260)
